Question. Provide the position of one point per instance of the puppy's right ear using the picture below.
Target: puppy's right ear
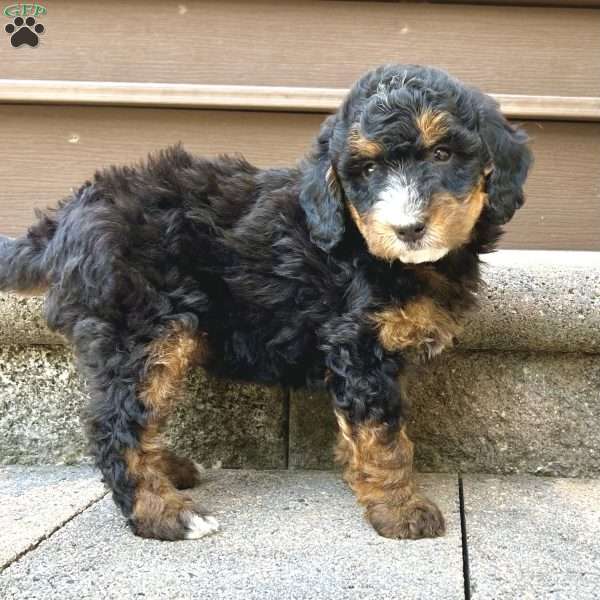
(321, 193)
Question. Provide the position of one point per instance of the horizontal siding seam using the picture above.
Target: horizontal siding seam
(256, 98)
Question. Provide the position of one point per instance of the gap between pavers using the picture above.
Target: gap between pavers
(533, 538)
(284, 535)
(36, 501)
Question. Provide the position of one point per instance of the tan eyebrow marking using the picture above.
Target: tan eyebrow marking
(359, 144)
(432, 125)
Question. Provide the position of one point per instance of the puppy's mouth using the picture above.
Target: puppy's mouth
(417, 244)
(418, 252)
(408, 242)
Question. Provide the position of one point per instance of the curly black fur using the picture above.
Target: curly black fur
(266, 265)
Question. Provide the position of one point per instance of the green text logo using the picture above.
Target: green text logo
(24, 10)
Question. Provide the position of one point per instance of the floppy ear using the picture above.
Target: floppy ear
(321, 193)
(509, 161)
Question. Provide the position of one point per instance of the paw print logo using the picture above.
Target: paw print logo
(24, 32)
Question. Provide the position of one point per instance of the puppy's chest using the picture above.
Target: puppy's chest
(428, 323)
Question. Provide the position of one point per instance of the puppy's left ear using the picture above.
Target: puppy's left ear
(509, 160)
(321, 193)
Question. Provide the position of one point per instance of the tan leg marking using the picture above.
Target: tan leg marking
(378, 468)
(160, 511)
(421, 324)
(169, 359)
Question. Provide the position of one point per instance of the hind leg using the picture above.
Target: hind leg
(133, 394)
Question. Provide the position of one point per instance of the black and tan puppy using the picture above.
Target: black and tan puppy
(327, 272)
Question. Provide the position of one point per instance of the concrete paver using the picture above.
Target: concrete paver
(533, 538)
(299, 534)
(285, 534)
(34, 501)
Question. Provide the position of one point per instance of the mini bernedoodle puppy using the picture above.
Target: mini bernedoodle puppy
(329, 272)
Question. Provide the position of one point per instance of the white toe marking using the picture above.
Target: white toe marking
(199, 526)
(212, 521)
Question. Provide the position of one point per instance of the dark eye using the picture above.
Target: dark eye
(368, 169)
(442, 154)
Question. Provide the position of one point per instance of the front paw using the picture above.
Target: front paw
(417, 518)
(421, 327)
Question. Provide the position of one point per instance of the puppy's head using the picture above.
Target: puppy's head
(416, 159)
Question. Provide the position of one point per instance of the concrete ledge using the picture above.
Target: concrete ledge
(538, 300)
(534, 300)
(22, 322)
(483, 412)
(42, 397)
(524, 402)
(472, 412)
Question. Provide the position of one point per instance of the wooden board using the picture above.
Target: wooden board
(256, 97)
(47, 150)
(503, 49)
(540, 3)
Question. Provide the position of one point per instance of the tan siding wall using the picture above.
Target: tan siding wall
(47, 150)
(537, 51)
(525, 50)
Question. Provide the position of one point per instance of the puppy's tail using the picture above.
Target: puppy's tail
(22, 260)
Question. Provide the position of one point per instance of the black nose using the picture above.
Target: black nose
(412, 232)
